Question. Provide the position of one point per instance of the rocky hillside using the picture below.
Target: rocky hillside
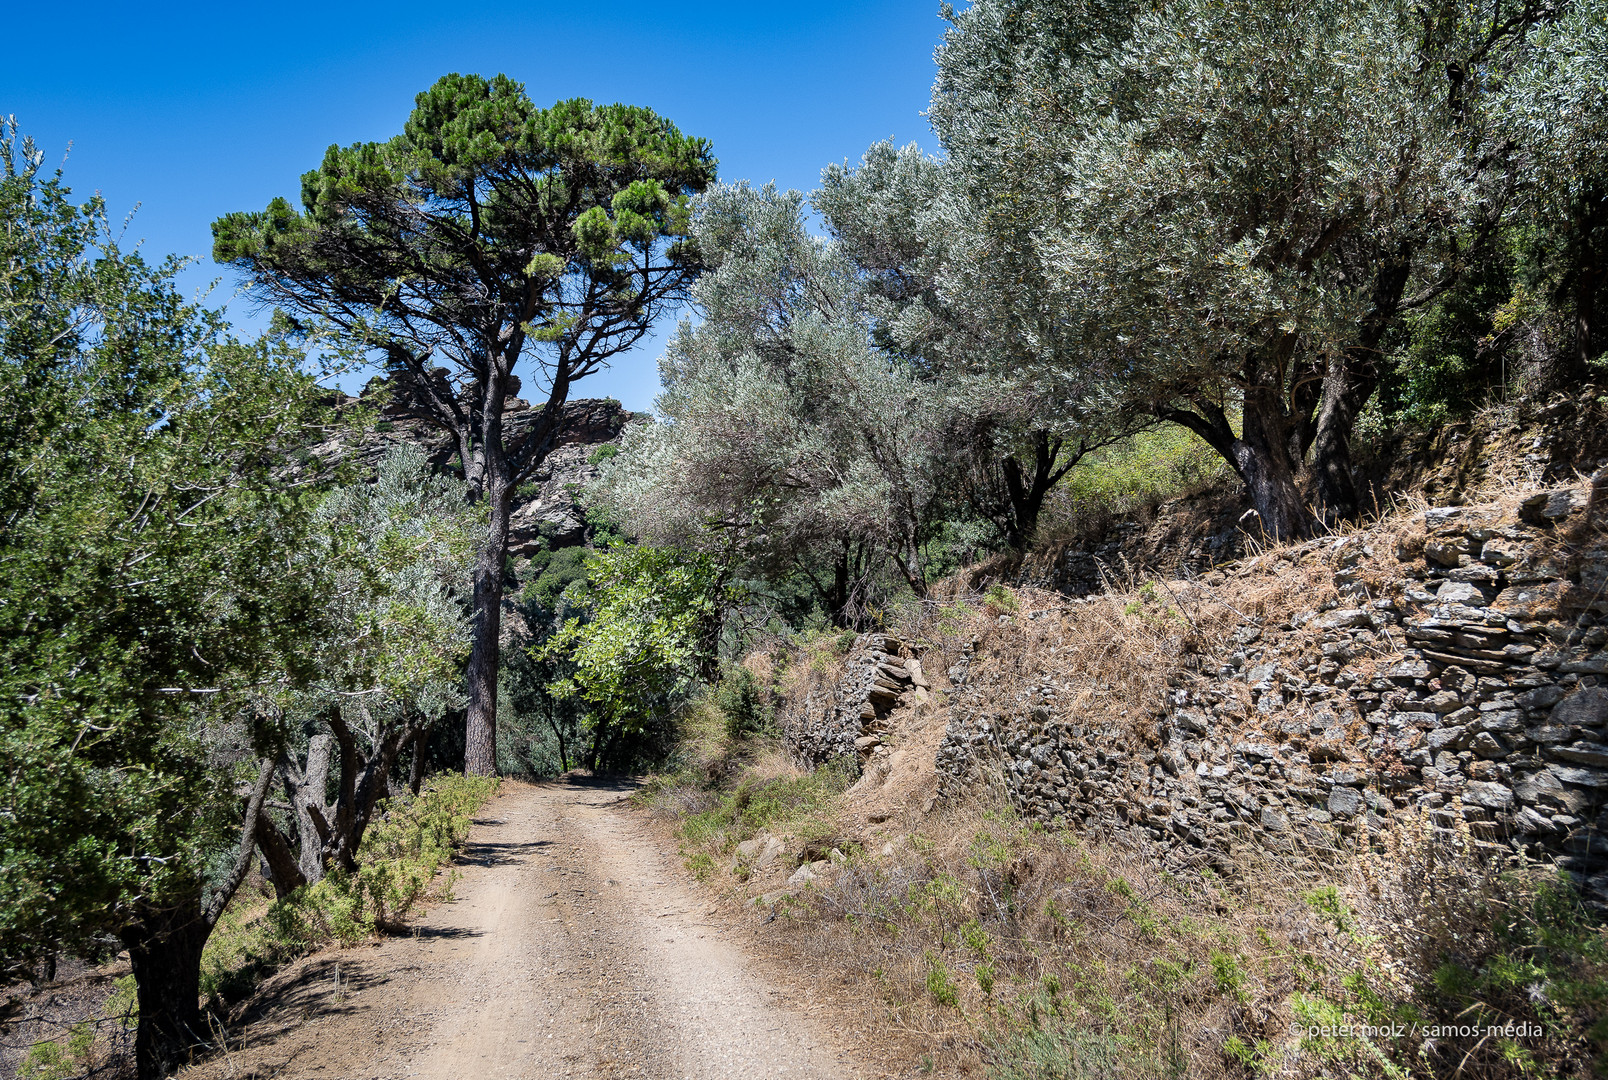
(546, 506)
(1448, 659)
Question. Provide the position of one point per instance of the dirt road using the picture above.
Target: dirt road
(574, 948)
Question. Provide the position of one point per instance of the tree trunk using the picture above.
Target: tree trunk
(1027, 494)
(558, 734)
(1261, 456)
(416, 769)
(308, 796)
(1344, 394)
(480, 730)
(1589, 275)
(283, 871)
(164, 951)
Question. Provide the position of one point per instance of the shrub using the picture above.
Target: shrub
(741, 701)
(1001, 601)
(402, 850)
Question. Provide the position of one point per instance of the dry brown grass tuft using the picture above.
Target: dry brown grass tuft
(995, 946)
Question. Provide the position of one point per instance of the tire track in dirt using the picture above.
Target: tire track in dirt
(572, 949)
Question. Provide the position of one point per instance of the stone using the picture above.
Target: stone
(1488, 795)
(1461, 592)
(1344, 619)
(1546, 507)
(1499, 552)
(1544, 789)
(1594, 754)
(1586, 665)
(1592, 778)
(1274, 821)
(760, 852)
(1344, 802)
(1447, 552)
(1500, 719)
(1528, 820)
(1547, 734)
(1442, 738)
(917, 676)
(1586, 708)
(1444, 701)
(1529, 602)
(1487, 745)
(1539, 698)
(808, 872)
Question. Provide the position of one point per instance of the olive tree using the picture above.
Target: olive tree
(392, 558)
(787, 433)
(1228, 204)
(1553, 108)
(1015, 406)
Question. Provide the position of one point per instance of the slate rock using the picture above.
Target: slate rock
(1585, 708)
(1489, 795)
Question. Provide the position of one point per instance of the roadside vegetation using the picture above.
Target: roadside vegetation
(1206, 251)
(978, 942)
(399, 865)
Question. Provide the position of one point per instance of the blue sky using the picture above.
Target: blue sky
(191, 111)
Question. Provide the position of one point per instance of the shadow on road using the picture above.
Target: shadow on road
(490, 853)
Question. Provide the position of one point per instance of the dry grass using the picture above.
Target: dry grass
(980, 943)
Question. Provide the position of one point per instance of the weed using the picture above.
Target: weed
(940, 987)
(1001, 601)
(741, 701)
(1229, 975)
(59, 1061)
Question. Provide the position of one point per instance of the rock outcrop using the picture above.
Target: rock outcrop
(545, 508)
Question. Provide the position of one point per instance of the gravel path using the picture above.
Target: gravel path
(572, 949)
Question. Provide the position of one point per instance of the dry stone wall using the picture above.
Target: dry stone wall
(846, 722)
(1475, 686)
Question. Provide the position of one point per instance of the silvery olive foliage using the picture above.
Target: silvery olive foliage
(1552, 110)
(785, 429)
(394, 559)
(1226, 202)
(1016, 408)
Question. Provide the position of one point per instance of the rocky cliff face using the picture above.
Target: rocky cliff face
(545, 507)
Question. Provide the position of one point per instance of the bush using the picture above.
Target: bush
(741, 701)
(402, 850)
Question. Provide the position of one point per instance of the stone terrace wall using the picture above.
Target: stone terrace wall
(847, 722)
(1472, 686)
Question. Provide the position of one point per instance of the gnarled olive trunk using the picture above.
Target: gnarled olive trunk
(164, 951)
(1261, 455)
